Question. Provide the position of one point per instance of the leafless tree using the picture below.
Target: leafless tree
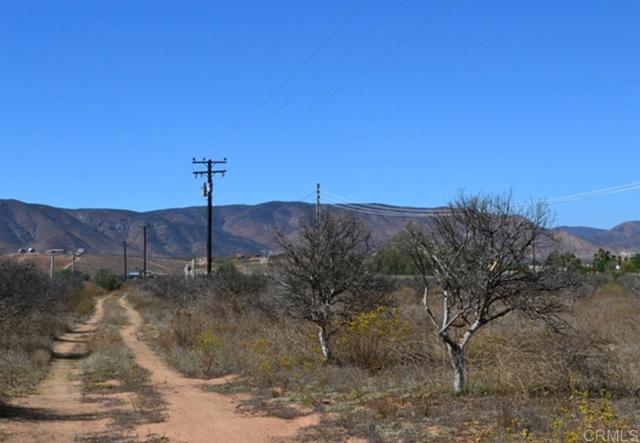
(325, 275)
(481, 254)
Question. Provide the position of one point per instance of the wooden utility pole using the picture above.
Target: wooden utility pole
(318, 202)
(207, 190)
(124, 260)
(144, 247)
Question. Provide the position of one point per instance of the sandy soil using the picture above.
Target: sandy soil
(196, 416)
(57, 413)
(60, 413)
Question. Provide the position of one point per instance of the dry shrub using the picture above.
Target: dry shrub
(207, 345)
(373, 340)
(579, 417)
(186, 326)
(82, 302)
(610, 315)
(21, 371)
(531, 360)
(34, 309)
(228, 284)
(600, 351)
(392, 373)
(630, 282)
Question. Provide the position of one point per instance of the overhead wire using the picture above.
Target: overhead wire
(371, 30)
(373, 205)
(597, 193)
(408, 212)
(427, 20)
(388, 211)
(296, 71)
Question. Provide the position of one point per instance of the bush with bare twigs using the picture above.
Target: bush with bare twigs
(35, 308)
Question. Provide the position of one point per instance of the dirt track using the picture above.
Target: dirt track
(57, 413)
(196, 416)
(60, 412)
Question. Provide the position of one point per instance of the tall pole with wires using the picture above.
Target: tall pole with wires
(144, 247)
(124, 260)
(207, 190)
(318, 203)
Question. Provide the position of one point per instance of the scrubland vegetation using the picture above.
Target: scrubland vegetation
(391, 379)
(482, 344)
(554, 354)
(34, 309)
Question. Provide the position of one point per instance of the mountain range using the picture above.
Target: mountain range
(238, 229)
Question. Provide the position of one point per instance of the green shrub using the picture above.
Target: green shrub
(107, 280)
(391, 261)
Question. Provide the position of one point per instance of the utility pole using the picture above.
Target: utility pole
(124, 260)
(75, 254)
(318, 202)
(207, 190)
(144, 257)
(52, 253)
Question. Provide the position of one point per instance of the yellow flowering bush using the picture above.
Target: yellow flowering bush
(582, 419)
(371, 339)
(270, 367)
(207, 345)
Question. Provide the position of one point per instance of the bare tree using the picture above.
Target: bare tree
(481, 254)
(326, 275)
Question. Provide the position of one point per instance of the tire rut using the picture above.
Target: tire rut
(196, 416)
(56, 413)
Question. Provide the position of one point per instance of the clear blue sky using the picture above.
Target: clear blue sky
(104, 103)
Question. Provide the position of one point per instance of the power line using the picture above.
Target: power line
(297, 70)
(371, 30)
(306, 197)
(389, 211)
(373, 205)
(597, 193)
(378, 60)
(386, 212)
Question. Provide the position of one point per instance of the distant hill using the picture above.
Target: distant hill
(238, 229)
(244, 229)
(622, 239)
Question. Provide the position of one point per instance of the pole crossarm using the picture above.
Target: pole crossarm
(209, 173)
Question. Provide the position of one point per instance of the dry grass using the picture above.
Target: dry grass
(393, 380)
(26, 340)
(111, 368)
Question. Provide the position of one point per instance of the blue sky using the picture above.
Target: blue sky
(103, 104)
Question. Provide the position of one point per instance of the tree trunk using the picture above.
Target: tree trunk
(457, 362)
(325, 344)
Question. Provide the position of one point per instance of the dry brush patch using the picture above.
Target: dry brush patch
(34, 311)
(391, 381)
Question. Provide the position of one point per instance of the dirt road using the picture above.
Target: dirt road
(61, 413)
(57, 412)
(196, 416)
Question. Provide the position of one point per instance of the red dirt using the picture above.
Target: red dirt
(196, 416)
(56, 413)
